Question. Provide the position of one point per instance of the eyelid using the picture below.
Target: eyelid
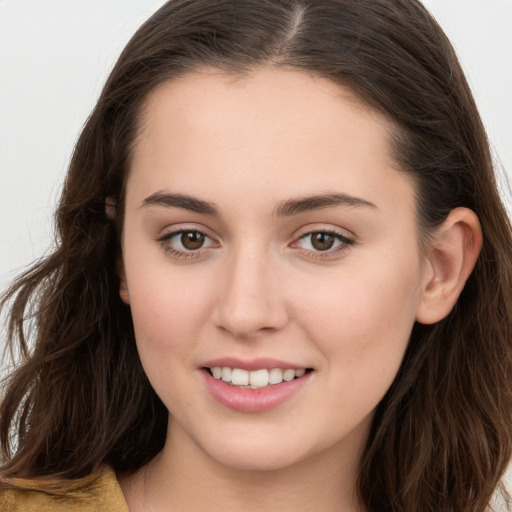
(170, 232)
(174, 229)
(324, 228)
(345, 238)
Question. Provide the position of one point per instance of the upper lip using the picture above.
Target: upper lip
(252, 364)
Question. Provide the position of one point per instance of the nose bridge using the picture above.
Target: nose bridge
(251, 300)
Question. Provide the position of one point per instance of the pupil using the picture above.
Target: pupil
(322, 241)
(192, 240)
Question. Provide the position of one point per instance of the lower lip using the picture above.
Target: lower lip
(254, 400)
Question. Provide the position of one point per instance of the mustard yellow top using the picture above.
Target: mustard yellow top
(98, 492)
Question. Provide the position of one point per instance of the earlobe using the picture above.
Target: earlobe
(123, 287)
(454, 251)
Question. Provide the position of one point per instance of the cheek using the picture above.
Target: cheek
(363, 323)
(362, 336)
(168, 308)
(168, 316)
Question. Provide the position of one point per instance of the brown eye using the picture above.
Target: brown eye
(187, 244)
(322, 241)
(192, 240)
(327, 243)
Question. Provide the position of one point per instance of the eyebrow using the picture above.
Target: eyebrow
(181, 201)
(285, 209)
(318, 202)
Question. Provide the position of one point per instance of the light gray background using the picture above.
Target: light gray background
(56, 54)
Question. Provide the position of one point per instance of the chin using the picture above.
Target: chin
(255, 462)
(263, 454)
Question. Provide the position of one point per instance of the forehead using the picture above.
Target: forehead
(278, 129)
(198, 97)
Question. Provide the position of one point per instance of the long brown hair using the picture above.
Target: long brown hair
(441, 437)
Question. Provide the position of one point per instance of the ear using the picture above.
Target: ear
(110, 208)
(453, 252)
(123, 287)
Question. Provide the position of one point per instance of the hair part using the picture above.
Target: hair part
(440, 440)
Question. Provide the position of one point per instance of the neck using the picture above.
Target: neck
(183, 478)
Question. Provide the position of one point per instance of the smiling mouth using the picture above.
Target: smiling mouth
(255, 379)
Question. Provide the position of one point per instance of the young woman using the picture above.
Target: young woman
(282, 281)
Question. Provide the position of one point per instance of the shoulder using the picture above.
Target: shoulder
(98, 492)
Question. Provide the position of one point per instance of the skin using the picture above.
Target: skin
(259, 288)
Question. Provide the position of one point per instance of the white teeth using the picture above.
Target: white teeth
(257, 378)
(226, 374)
(288, 375)
(216, 372)
(275, 376)
(239, 377)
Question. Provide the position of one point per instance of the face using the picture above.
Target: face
(268, 236)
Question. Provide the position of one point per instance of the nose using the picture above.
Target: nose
(251, 300)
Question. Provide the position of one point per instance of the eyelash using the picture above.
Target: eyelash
(344, 243)
(165, 242)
